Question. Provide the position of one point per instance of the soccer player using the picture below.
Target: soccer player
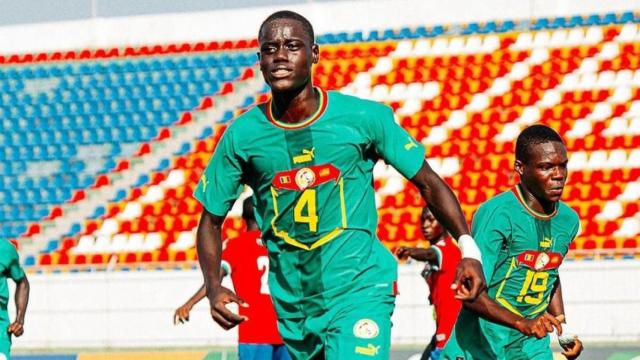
(523, 235)
(308, 155)
(441, 260)
(10, 268)
(245, 259)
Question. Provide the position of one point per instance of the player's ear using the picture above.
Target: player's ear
(519, 166)
(315, 53)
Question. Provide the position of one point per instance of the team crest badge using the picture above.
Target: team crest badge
(541, 261)
(305, 177)
(366, 329)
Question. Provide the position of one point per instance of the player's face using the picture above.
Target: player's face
(286, 55)
(545, 172)
(431, 229)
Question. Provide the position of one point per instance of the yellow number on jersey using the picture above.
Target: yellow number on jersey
(307, 200)
(535, 282)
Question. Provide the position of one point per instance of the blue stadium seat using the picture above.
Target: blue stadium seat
(540, 24)
(164, 165)
(610, 18)
(471, 28)
(142, 180)
(29, 260)
(99, 212)
(594, 20)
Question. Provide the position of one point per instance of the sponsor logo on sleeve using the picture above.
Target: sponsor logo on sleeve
(369, 350)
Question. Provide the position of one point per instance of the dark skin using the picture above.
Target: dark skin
(542, 179)
(287, 54)
(182, 313)
(431, 231)
(21, 299)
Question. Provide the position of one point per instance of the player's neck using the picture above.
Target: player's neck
(296, 105)
(536, 203)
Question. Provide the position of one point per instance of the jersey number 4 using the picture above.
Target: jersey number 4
(307, 204)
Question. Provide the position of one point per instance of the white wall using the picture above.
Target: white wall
(122, 309)
(243, 23)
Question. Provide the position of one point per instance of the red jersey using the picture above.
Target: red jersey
(246, 260)
(441, 296)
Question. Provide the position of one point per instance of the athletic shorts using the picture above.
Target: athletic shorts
(5, 342)
(354, 327)
(262, 352)
(522, 348)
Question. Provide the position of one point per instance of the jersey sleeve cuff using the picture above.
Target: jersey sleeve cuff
(226, 266)
(438, 256)
(214, 209)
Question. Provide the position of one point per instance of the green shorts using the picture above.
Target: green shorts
(354, 327)
(5, 342)
(474, 339)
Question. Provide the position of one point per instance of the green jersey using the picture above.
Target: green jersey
(313, 188)
(521, 252)
(9, 268)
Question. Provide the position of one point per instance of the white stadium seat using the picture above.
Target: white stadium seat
(631, 192)
(577, 160)
(135, 242)
(611, 211)
(597, 159)
(152, 241)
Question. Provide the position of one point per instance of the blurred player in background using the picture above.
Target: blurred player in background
(10, 269)
(441, 260)
(523, 234)
(309, 157)
(245, 259)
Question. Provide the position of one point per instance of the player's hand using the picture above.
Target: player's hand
(419, 254)
(469, 282)
(539, 326)
(573, 350)
(182, 314)
(16, 329)
(219, 297)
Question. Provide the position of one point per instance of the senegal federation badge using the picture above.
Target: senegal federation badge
(305, 177)
(366, 329)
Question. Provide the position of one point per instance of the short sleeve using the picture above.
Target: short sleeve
(221, 182)
(14, 270)
(490, 229)
(395, 145)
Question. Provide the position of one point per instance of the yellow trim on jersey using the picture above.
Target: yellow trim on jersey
(343, 208)
(540, 308)
(322, 106)
(536, 214)
(323, 240)
(502, 301)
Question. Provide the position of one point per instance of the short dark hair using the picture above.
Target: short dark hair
(290, 15)
(534, 135)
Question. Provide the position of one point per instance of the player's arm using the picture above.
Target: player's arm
(556, 305)
(421, 254)
(21, 299)
(182, 313)
(572, 346)
(445, 207)
(405, 154)
(209, 244)
(539, 326)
